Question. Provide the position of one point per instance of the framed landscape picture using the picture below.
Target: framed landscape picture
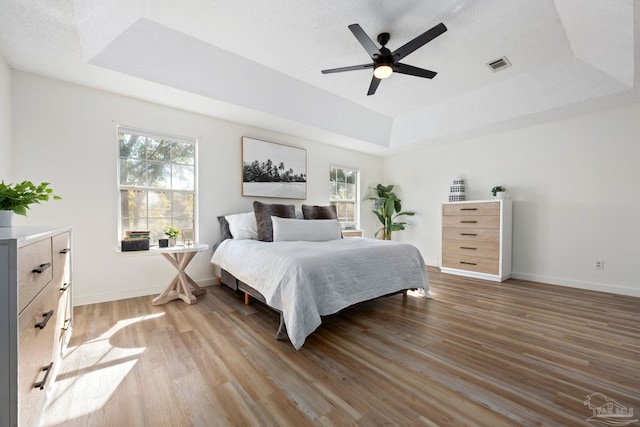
(273, 170)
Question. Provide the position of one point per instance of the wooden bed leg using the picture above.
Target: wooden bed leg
(405, 293)
(246, 298)
(219, 281)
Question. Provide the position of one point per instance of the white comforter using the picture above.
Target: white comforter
(306, 280)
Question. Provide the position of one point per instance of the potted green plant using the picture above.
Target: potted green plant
(16, 198)
(387, 208)
(172, 234)
(498, 191)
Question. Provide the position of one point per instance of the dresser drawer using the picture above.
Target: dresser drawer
(471, 221)
(472, 209)
(35, 352)
(478, 234)
(471, 248)
(471, 263)
(34, 270)
(63, 324)
(61, 247)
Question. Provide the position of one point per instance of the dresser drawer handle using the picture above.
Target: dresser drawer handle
(44, 322)
(65, 287)
(468, 263)
(468, 209)
(467, 247)
(65, 251)
(67, 324)
(468, 234)
(468, 222)
(41, 268)
(47, 369)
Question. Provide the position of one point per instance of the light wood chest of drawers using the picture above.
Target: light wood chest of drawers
(35, 317)
(476, 239)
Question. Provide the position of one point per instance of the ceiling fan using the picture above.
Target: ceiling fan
(386, 62)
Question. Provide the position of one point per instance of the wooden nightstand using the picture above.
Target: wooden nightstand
(182, 286)
(351, 233)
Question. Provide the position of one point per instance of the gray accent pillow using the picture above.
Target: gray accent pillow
(319, 212)
(224, 228)
(264, 211)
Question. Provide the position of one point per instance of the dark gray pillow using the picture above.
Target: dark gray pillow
(319, 212)
(264, 211)
(224, 228)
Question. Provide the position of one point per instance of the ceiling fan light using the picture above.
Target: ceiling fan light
(382, 71)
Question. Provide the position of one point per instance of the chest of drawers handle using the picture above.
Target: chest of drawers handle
(469, 248)
(40, 269)
(468, 263)
(468, 209)
(65, 251)
(47, 369)
(468, 222)
(65, 287)
(44, 321)
(468, 234)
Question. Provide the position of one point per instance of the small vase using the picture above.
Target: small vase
(172, 242)
(500, 195)
(6, 218)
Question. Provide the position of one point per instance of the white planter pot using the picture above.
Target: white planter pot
(500, 195)
(6, 218)
(172, 242)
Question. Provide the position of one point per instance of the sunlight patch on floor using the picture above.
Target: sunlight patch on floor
(95, 372)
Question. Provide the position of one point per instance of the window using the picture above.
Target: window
(157, 182)
(343, 194)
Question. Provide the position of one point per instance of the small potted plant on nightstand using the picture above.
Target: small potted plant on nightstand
(171, 233)
(498, 191)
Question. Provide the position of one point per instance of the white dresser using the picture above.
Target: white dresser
(35, 317)
(476, 239)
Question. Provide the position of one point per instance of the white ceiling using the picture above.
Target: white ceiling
(259, 62)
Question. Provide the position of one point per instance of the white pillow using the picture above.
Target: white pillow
(310, 230)
(243, 226)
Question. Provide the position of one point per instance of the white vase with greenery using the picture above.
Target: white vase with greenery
(16, 198)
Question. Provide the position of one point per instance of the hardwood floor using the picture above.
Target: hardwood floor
(478, 353)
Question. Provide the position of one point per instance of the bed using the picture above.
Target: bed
(297, 263)
(305, 280)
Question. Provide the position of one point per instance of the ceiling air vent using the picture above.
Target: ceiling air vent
(499, 64)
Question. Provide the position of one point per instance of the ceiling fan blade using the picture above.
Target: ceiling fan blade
(350, 68)
(364, 40)
(373, 86)
(413, 71)
(419, 41)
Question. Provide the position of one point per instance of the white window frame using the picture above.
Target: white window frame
(348, 225)
(156, 135)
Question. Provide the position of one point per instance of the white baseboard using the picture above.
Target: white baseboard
(130, 293)
(580, 285)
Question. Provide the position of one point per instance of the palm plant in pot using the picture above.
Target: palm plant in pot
(16, 198)
(388, 208)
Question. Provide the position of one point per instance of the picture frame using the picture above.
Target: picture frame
(273, 170)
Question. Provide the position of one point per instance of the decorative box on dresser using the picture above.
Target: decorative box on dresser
(35, 317)
(476, 239)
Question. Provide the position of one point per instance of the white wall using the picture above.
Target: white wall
(574, 183)
(66, 134)
(5, 121)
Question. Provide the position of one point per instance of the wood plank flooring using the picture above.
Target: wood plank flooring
(479, 353)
